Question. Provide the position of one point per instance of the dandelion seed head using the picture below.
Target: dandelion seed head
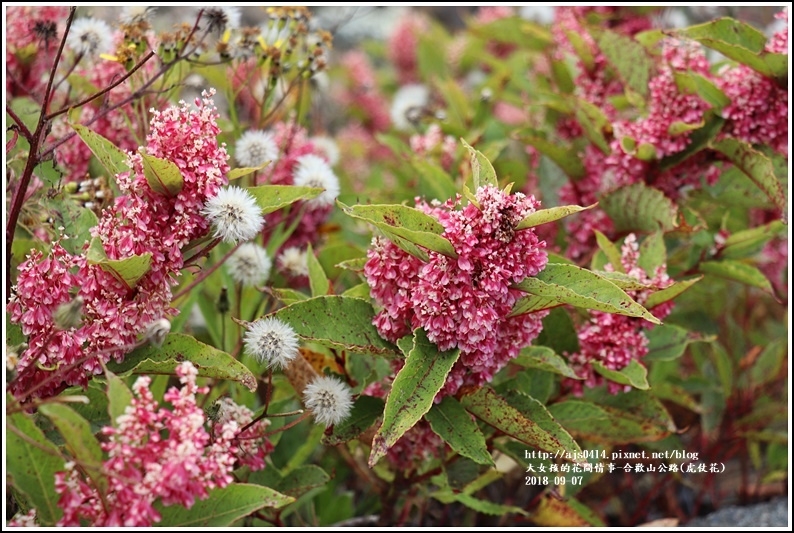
(255, 147)
(327, 147)
(293, 262)
(249, 265)
(314, 171)
(408, 104)
(271, 341)
(235, 215)
(329, 399)
(90, 36)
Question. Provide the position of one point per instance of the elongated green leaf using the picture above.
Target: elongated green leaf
(565, 157)
(337, 322)
(668, 342)
(623, 281)
(112, 158)
(550, 215)
(356, 265)
(163, 176)
(413, 391)
(741, 42)
(366, 410)
(178, 347)
(757, 166)
(31, 464)
(434, 181)
(694, 83)
(450, 421)
(75, 220)
(593, 121)
(667, 294)
(404, 222)
(287, 296)
(736, 271)
(237, 173)
(119, 397)
(749, 242)
(572, 285)
(360, 291)
(482, 170)
(610, 250)
(637, 207)
(570, 513)
(653, 253)
(534, 410)
(481, 506)
(129, 271)
(634, 374)
(629, 58)
(699, 139)
(80, 441)
(223, 507)
(494, 410)
(318, 281)
(301, 480)
(582, 49)
(769, 364)
(273, 197)
(544, 358)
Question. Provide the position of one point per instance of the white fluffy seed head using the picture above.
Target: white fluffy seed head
(255, 147)
(328, 147)
(90, 36)
(234, 214)
(408, 104)
(157, 331)
(293, 262)
(314, 171)
(271, 342)
(329, 399)
(249, 265)
(219, 18)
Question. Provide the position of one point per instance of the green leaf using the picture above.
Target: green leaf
(273, 197)
(610, 251)
(112, 158)
(534, 410)
(412, 391)
(287, 296)
(699, 139)
(28, 110)
(582, 49)
(75, 220)
(128, 271)
(757, 166)
(637, 207)
(749, 242)
(360, 291)
(482, 170)
(366, 410)
(667, 342)
(623, 281)
(653, 253)
(406, 223)
(434, 181)
(572, 285)
(769, 364)
(237, 173)
(680, 127)
(356, 265)
(14, 335)
(545, 216)
(736, 271)
(593, 121)
(163, 176)
(318, 281)
(637, 417)
(210, 362)
(450, 421)
(223, 507)
(667, 294)
(337, 322)
(544, 358)
(541, 431)
(694, 83)
(80, 441)
(301, 480)
(119, 397)
(570, 513)
(566, 158)
(634, 374)
(741, 42)
(31, 468)
(481, 506)
(629, 58)
(515, 30)
(558, 332)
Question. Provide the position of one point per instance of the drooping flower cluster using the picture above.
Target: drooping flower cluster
(153, 454)
(403, 45)
(140, 222)
(435, 143)
(463, 302)
(615, 340)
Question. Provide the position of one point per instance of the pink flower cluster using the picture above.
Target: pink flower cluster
(141, 221)
(758, 112)
(616, 340)
(463, 302)
(252, 446)
(362, 93)
(32, 38)
(403, 45)
(434, 142)
(153, 454)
